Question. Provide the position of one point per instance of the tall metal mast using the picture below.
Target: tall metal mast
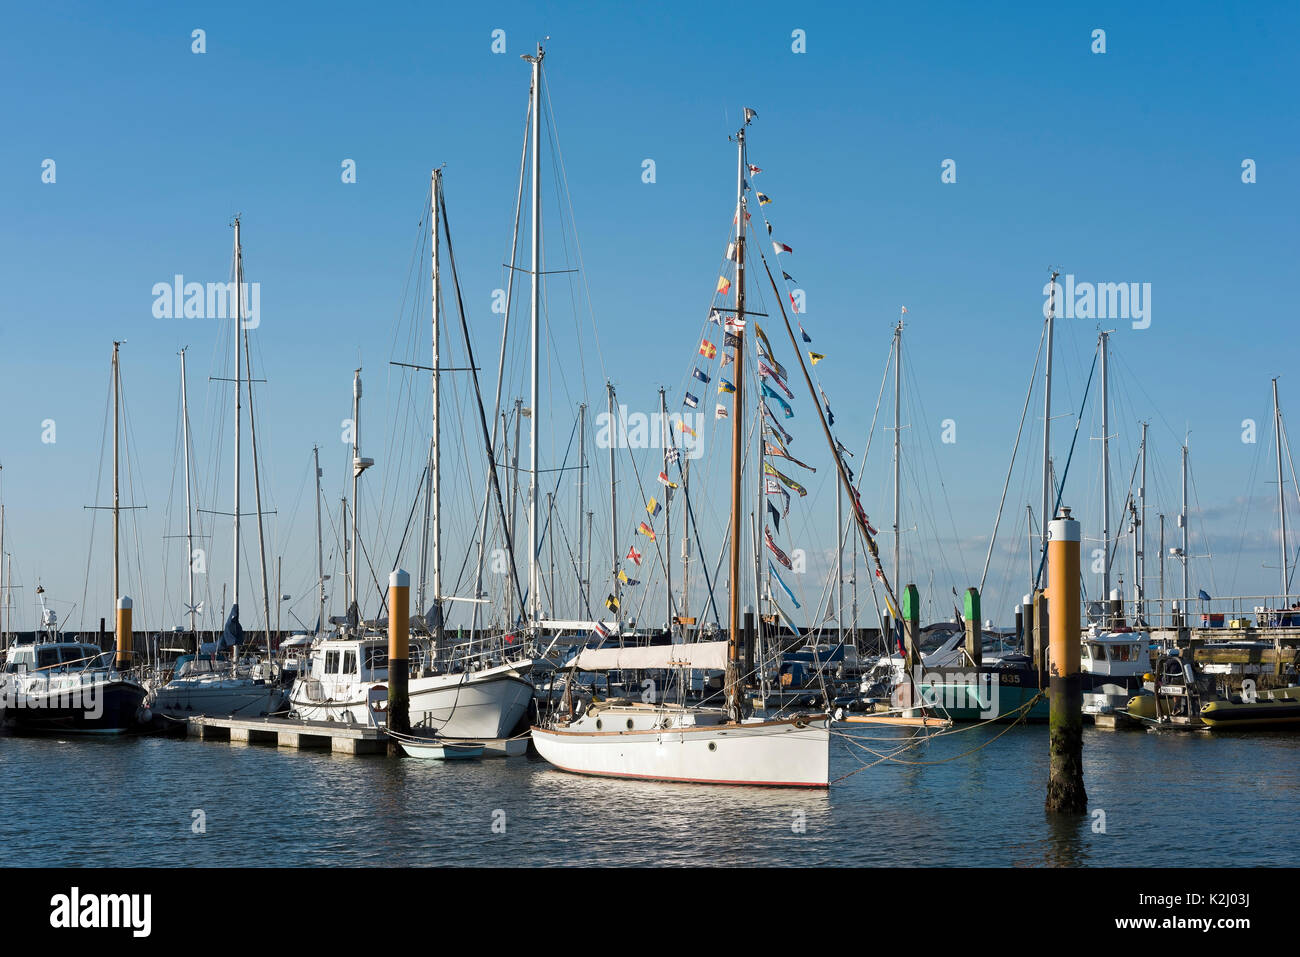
(615, 432)
(239, 400)
(583, 609)
(1045, 517)
(257, 485)
(347, 551)
(686, 544)
(1281, 497)
(665, 436)
(1104, 340)
(733, 677)
(117, 387)
(898, 448)
(493, 484)
(189, 517)
(1140, 571)
(356, 474)
(1182, 522)
(320, 546)
(433, 498)
(550, 548)
(839, 560)
(535, 316)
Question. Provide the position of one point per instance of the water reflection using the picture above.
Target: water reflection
(266, 806)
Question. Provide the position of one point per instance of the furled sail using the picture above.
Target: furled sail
(233, 633)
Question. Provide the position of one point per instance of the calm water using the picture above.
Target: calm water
(1169, 799)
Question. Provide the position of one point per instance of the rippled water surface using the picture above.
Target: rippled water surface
(1168, 799)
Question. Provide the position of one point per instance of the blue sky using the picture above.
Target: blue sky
(1117, 167)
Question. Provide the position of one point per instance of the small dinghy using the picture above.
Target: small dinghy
(436, 748)
(1267, 710)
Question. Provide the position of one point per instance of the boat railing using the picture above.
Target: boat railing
(1232, 613)
(477, 652)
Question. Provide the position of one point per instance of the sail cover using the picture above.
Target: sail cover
(232, 634)
(700, 656)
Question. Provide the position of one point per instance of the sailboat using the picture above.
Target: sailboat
(478, 695)
(676, 742)
(209, 683)
(58, 684)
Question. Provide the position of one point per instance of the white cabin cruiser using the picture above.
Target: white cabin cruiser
(58, 684)
(348, 681)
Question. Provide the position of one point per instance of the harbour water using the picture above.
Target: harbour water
(1171, 799)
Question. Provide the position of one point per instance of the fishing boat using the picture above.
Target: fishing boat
(1113, 664)
(677, 742)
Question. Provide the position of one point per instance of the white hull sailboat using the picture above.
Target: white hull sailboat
(209, 684)
(652, 743)
(220, 689)
(665, 742)
(622, 739)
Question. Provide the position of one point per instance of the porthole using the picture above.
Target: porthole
(629, 724)
(599, 724)
(713, 745)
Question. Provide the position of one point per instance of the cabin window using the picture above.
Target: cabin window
(349, 662)
(376, 658)
(331, 662)
(47, 657)
(1124, 653)
(1097, 651)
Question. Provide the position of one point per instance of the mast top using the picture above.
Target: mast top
(541, 52)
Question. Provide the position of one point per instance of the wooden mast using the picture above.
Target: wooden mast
(733, 677)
